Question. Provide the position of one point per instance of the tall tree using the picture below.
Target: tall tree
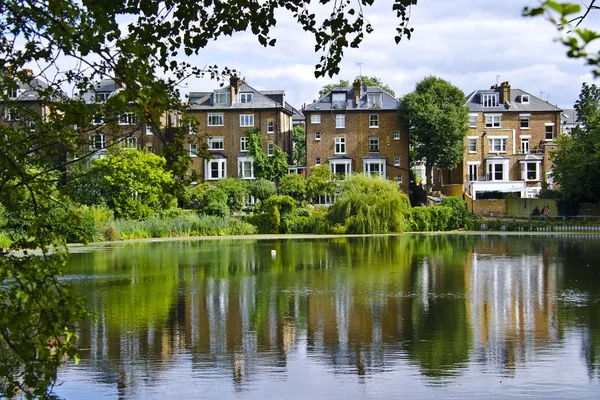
(437, 117)
(364, 80)
(76, 44)
(299, 145)
(576, 162)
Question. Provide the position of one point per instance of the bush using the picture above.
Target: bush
(567, 206)
(214, 202)
(293, 185)
(420, 219)
(262, 189)
(459, 212)
(236, 190)
(369, 204)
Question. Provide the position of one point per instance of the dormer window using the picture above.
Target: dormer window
(245, 98)
(13, 93)
(525, 98)
(220, 98)
(101, 97)
(338, 100)
(374, 100)
(489, 99)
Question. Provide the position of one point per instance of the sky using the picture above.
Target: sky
(472, 44)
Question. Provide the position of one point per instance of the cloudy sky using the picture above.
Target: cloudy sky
(469, 43)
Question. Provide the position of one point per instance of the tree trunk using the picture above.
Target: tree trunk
(428, 169)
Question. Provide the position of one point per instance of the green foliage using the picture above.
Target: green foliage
(299, 145)
(37, 323)
(262, 189)
(293, 185)
(320, 182)
(236, 190)
(567, 206)
(440, 218)
(370, 204)
(214, 202)
(460, 212)
(267, 167)
(364, 80)
(576, 161)
(438, 119)
(568, 18)
(133, 184)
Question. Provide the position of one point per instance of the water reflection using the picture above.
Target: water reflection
(444, 306)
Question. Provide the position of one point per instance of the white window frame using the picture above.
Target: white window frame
(243, 163)
(396, 161)
(11, 114)
(493, 120)
(270, 149)
(472, 140)
(215, 119)
(98, 119)
(270, 126)
(315, 118)
(368, 166)
(501, 141)
(128, 118)
(101, 97)
(373, 120)
(373, 144)
(340, 145)
(221, 97)
(525, 99)
(473, 171)
(524, 118)
(489, 99)
(193, 150)
(525, 170)
(98, 141)
(246, 120)
(14, 93)
(221, 169)
(472, 120)
(338, 100)
(397, 134)
(492, 171)
(243, 144)
(149, 130)
(525, 144)
(317, 135)
(347, 166)
(546, 125)
(130, 143)
(216, 143)
(246, 97)
(399, 179)
(374, 100)
(340, 121)
(317, 160)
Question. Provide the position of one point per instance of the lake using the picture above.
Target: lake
(412, 316)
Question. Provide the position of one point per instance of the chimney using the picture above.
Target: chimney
(28, 71)
(504, 93)
(234, 85)
(356, 92)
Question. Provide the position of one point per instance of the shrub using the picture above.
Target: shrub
(236, 190)
(420, 219)
(293, 185)
(262, 189)
(369, 204)
(567, 206)
(214, 202)
(459, 212)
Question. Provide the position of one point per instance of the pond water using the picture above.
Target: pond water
(413, 316)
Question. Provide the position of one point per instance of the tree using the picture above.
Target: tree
(364, 80)
(293, 185)
(437, 117)
(236, 190)
(132, 183)
(140, 43)
(270, 167)
(568, 19)
(299, 145)
(321, 182)
(576, 161)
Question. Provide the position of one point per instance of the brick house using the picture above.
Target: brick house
(224, 115)
(124, 130)
(511, 134)
(356, 129)
(22, 100)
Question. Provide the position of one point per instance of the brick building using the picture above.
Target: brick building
(224, 115)
(511, 133)
(356, 129)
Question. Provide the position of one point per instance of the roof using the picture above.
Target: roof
(515, 105)
(29, 91)
(569, 116)
(374, 156)
(297, 115)
(388, 102)
(104, 86)
(260, 100)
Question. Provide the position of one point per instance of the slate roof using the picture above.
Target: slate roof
(535, 104)
(374, 156)
(569, 116)
(104, 86)
(325, 104)
(266, 99)
(29, 91)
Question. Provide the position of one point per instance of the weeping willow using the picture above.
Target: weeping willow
(369, 204)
